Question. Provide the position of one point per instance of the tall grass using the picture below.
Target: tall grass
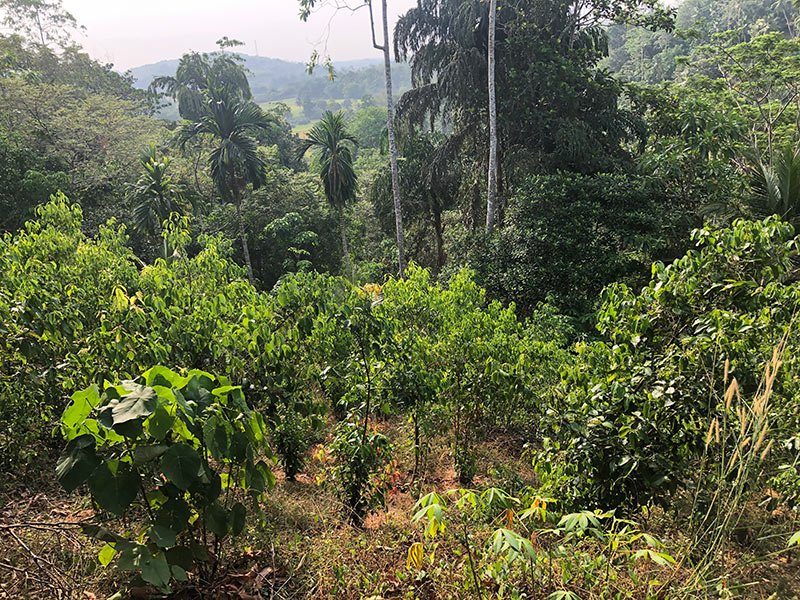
(737, 445)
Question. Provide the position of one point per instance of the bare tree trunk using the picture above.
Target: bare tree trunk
(343, 227)
(237, 200)
(387, 64)
(437, 225)
(491, 199)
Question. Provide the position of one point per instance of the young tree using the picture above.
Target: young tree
(234, 162)
(330, 138)
(155, 193)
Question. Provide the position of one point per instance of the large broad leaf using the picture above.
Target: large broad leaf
(106, 554)
(207, 488)
(239, 447)
(181, 465)
(154, 568)
(161, 536)
(187, 406)
(144, 454)
(80, 406)
(217, 435)
(199, 389)
(180, 556)
(139, 403)
(174, 514)
(217, 520)
(255, 478)
(159, 424)
(77, 462)
(163, 376)
(114, 486)
(258, 477)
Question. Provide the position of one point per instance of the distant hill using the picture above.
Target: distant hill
(274, 79)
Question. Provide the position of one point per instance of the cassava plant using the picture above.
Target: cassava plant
(185, 450)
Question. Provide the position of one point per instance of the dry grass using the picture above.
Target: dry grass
(307, 549)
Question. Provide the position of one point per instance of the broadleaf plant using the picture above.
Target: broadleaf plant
(187, 449)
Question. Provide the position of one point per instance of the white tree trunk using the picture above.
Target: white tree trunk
(491, 199)
(387, 64)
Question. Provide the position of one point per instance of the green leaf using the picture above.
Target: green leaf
(139, 403)
(80, 406)
(159, 424)
(794, 540)
(114, 486)
(163, 376)
(179, 573)
(217, 436)
(174, 514)
(144, 454)
(207, 488)
(181, 465)
(106, 554)
(180, 556)
(256, 476)
(153, 568)
(217, 521)
(239, 447)
(78, 462)
(238, 516)
(186, 407)
(199, 388)
(161, 536)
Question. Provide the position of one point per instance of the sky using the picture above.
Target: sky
(129, 33)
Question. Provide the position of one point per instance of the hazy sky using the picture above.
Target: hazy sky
(129, 33)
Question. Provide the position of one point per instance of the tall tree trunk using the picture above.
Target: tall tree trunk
(387, 65)
(343, 227)
(491, 199)
(437, 225)
(237, 200)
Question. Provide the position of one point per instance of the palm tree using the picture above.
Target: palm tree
(155, 193)
(234, 162)
(332, 142)
(306, 8)
(197, 73)
(776, 187)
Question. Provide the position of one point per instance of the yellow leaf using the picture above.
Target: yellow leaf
(509, 518)
(415, 556)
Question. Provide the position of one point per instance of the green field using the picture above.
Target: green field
(296, 117)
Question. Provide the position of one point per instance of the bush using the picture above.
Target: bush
(636, 406)
(187, 449)
(76, 311)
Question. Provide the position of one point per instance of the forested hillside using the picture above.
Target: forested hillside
(509, 314)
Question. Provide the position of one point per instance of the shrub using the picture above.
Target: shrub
(187, 449)
(635, 406)
(291, 439)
